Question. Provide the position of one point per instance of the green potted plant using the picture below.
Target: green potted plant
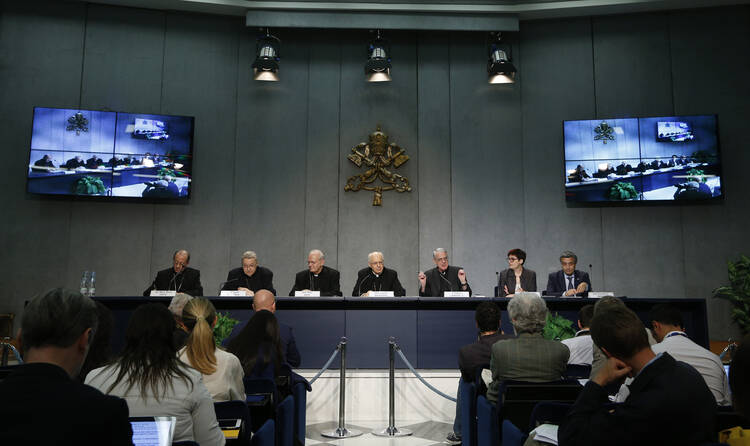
(223, 328)
(89, 185)
(558, 328)
(738, 292)
(622, 190)
(696, 175)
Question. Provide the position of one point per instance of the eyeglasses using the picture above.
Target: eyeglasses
(442, 259)
(512, 259)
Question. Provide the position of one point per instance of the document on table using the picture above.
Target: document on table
(546, 433)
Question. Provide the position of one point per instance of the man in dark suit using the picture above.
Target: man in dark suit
(250, 277)
(41, 402)
(568, 281)
(74, 163)
(264, 300)
(180, 277)
(669, 403)
(473, 356)
(443, 277)
(94, 162)
(317, 276)
(377, 278)
(44, 164)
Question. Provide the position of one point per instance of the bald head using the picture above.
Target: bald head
(264, 300)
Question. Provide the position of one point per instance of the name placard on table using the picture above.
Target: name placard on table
(455, 294)
(380, 294)
(307, 293)
(163, 293)
(232, 293)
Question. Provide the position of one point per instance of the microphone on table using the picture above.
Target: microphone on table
(497, 281)
(450, 285)
(359, 288)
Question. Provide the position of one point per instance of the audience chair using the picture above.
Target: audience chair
(512, 436)
(467, 397)
(6, 370)
(285, 422)
(265, 436)
(299, 392)
(185, 443)
(487, 427)
(727, 418)
(547, 412)
(236, 410)
(519, 398)
(578, 371)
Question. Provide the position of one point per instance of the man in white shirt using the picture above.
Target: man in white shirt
(668, 329)
(581, 346)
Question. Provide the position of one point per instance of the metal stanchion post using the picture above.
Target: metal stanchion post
(342, 431)
(392, 430)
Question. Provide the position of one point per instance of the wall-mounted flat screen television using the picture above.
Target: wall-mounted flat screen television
(666, 158)
(112, 154)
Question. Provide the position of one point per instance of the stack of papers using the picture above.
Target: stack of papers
(546, 433)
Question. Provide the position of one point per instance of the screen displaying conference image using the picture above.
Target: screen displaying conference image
(113, 154)
(667, 158)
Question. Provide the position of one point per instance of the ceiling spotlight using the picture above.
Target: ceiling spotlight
(266, 65)
(378, 66)
(500, 70)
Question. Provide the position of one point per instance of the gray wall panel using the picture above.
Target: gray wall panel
(40, 71)
(269, 194)
(557, 70)
(201, 52)
(393, 227)
(486, 159)
(715, 232)
(435, 176)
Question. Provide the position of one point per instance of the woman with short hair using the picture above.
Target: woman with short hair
(516, 278)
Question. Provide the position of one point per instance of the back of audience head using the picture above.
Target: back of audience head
(585, 314)
(59, 320)
(528, 313)
(488, 316)
(100, 350)
(618, 331)
(607, 302)
(149, 358)
(199, 316)
(665, 318)
(264, 300)
(739, 378)
(177, 303)
(258, 344)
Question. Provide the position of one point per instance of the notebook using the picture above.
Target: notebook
(152, 431)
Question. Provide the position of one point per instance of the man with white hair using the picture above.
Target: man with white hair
(377, 278)
(436, 281)
(250, 277)
(317, 276)
(529, 357)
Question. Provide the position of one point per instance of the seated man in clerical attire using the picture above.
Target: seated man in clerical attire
(180, 277)
(250, 277)
(94, 162)
(376, 277)
(623, 169)
(568, 281)
(74, 163)
(317, 276)
(669, 402)
(43, 164)
(436, 281)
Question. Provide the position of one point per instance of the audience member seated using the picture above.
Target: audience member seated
(222, 371)
(162, 188)
(41, 403)
(581, 345)
(317, 276)
(250, 277)
(473, 356)
(94, 162)
(436, 281)
(692, 190)
(264, 300)
(175, 307)
(376, 277)
(529, 357)
(100, 351)
(667, 326)
(738, 378)
(180, 277)
(669, 403)
(568, 281)
(516, 278)
(43, 165)
(259, 347)
(155, 383)
(74, 163)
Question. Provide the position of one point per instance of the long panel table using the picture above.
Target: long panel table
(430, 331)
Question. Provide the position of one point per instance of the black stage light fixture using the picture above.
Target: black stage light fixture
(378, 66)
(266, 64)
(500, 70)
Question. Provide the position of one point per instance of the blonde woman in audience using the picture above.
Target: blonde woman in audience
(222, 371)
(154, 382)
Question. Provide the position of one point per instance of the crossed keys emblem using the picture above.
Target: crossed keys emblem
(604, 132)
(377, 156)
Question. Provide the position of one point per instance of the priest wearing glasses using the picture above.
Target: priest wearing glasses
(443, 277)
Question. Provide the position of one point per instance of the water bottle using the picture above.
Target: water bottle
(92, 284)
(84, 283)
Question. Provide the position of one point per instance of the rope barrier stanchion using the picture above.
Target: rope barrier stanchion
(342, 431)
(392, 430)
(330, 360)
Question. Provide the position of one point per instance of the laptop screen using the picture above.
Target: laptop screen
(152, 431)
